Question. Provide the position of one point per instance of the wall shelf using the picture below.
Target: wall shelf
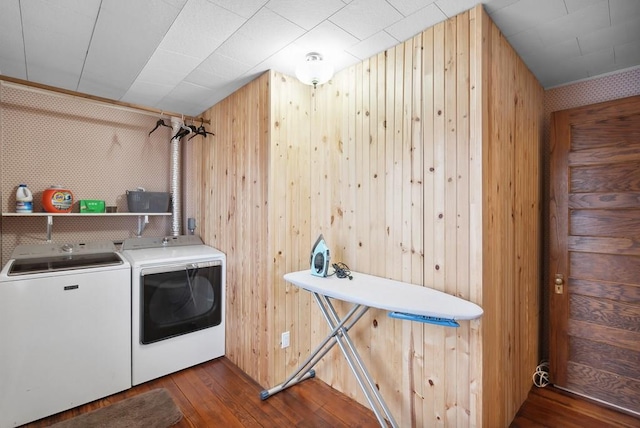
(143, 218)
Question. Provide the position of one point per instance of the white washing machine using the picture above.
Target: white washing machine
(178, 304)
(65, 328)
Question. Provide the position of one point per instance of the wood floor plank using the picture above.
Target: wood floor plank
(217, 393)
(552, 407)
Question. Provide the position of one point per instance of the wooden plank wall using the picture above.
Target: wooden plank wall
(512, 227)
(232, 215)
(389, 162)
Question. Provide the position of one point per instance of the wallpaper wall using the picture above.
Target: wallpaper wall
(95, 150)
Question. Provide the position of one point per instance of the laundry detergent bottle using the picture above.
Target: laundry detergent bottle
(24, 199)
(55, 199)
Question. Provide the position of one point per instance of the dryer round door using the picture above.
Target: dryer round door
(179, 301)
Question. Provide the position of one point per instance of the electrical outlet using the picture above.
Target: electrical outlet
(284, 341)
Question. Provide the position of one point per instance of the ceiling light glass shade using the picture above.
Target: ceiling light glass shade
(314, 70)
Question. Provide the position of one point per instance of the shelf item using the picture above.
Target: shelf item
(143, 218)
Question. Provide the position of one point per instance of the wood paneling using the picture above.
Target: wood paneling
(233, 214)
(511, 229)
(419, 164)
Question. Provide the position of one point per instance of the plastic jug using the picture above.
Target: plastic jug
(24, 199)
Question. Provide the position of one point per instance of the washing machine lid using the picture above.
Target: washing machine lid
(160, 242)
(31, 259)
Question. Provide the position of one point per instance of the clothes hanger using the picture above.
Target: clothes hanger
(159, 123)
(201, 130)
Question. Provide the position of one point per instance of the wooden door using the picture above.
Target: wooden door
(594, 265)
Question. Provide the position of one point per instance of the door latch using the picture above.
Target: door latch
(559, 283)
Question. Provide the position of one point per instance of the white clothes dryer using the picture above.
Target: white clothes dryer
(178, 304)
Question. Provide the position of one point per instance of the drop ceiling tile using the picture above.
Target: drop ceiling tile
(628, 54)
(453, 7)
(59, 75)
(407, 7)
(624, 10)
(200, 28)
(492, 6)
(551, 54)
(167, 68)
(183, 97)
(244, 8)
(222, 67)
(373, 45)
(327, 38)
(560, 72)
(526, 42)
(283, 61)
(112, 58)
(67, 17)
(599, 62)
(207, 80)
(575, 5)
(99, 84)
(525, 14)
(57, 36)
(414, 24)
(12, 61)
(575, 24)
(610, 36)
(343, 60)
(305, 13)
(13, 66)
(363, 18)
(146, 93)
(146, 12)
(62, 54)
(260, 37)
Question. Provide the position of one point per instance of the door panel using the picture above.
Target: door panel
(595, 252)
(598, 355)
(605, 223)
(609, 177)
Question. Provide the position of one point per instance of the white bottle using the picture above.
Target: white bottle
(24, 199)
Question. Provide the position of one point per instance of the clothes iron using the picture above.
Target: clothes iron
(319, 257)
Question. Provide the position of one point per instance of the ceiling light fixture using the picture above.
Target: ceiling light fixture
(314, 70)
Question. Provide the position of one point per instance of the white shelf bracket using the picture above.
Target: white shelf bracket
(49, 227)
(143, 220)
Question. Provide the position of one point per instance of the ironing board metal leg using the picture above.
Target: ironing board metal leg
(357, 366)
(305, 370)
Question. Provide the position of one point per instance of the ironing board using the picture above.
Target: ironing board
(402, 300)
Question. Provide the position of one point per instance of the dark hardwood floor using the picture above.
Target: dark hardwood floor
(219, 394)
(553, 408)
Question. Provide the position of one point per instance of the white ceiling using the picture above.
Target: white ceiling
(186, 55)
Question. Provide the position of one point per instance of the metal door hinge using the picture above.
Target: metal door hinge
(559, 283)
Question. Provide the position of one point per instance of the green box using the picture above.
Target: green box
(91, 206)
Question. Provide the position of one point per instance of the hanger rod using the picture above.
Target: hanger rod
(138, 107)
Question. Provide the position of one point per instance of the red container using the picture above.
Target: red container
(57, 200)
